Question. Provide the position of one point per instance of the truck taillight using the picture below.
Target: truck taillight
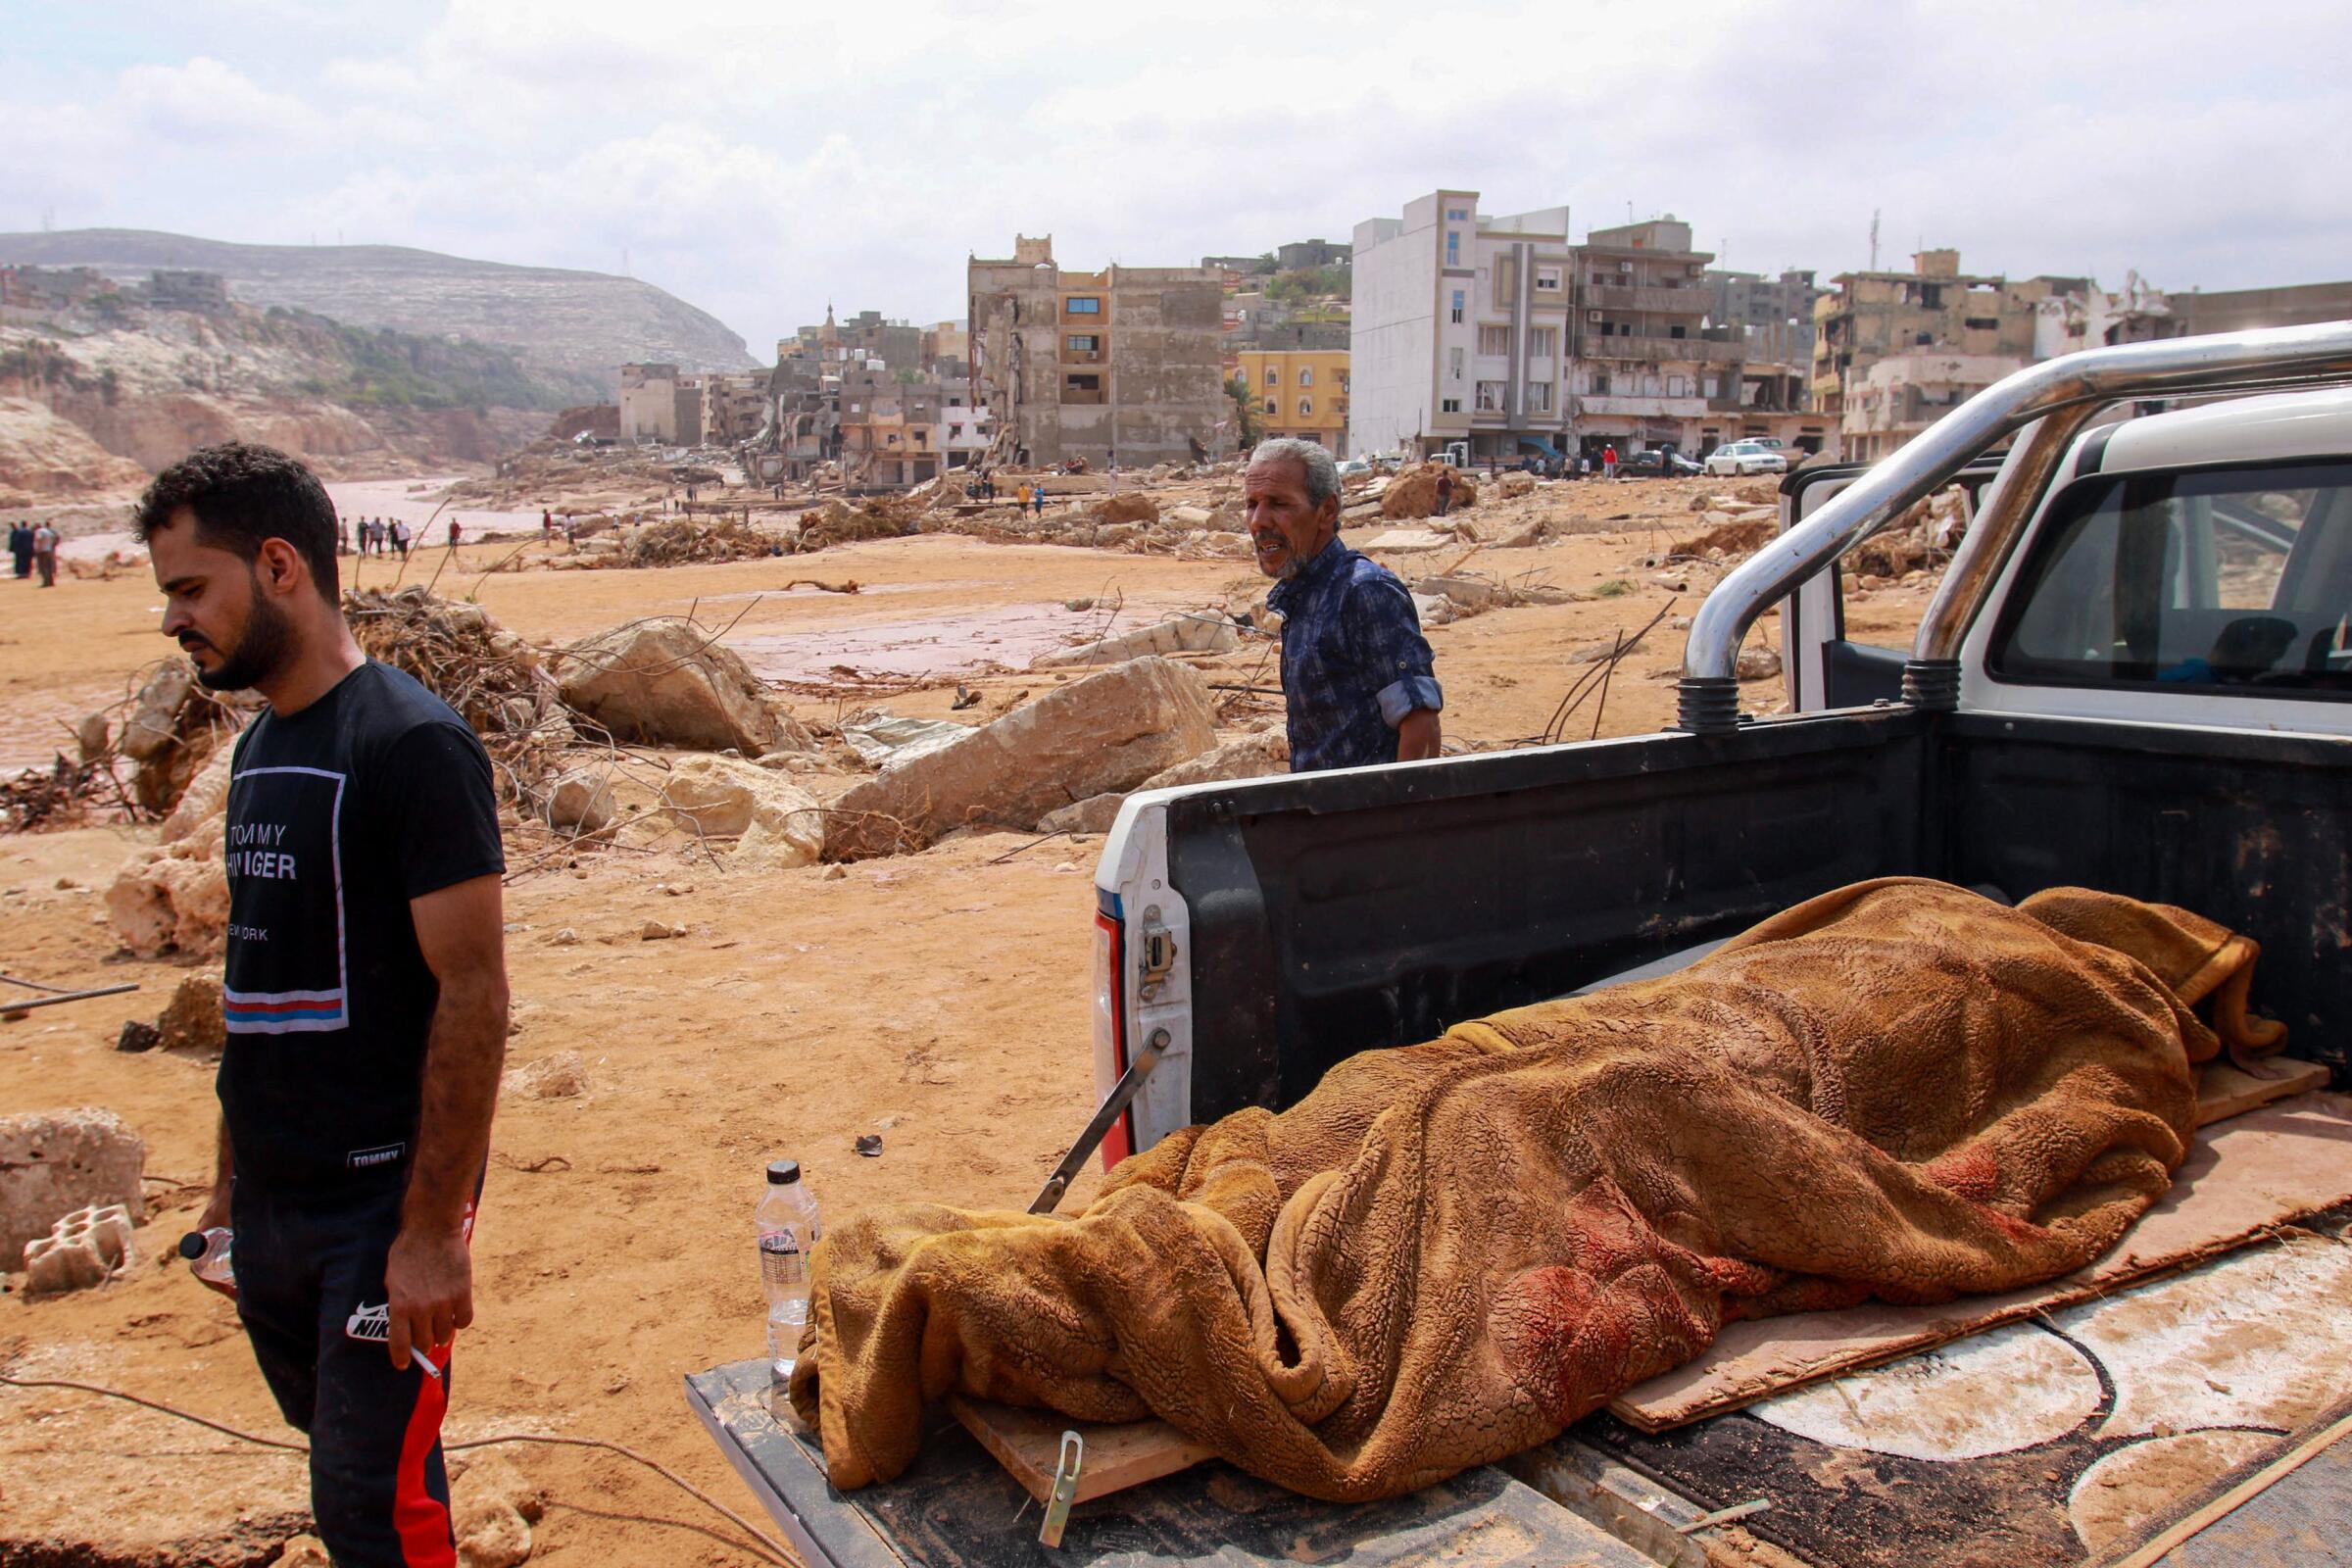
(1110, 1026)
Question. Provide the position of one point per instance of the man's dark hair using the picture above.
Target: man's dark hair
(242, 494)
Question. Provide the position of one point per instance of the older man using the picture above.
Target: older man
(1357, 672)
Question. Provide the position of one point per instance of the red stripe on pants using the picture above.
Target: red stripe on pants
(421, 1521)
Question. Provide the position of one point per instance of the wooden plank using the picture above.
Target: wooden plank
(2244, 1178)
(1028, 1444)
(2224, 1091)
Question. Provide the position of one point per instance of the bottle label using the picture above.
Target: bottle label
(782, 1259)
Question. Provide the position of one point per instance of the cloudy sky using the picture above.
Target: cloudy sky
(758, 159)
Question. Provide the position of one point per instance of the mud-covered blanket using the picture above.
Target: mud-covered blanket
(1449, 1251)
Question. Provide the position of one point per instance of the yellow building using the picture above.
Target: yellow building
(1301, 392)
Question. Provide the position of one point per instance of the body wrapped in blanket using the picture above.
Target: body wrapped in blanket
(1449, 1251)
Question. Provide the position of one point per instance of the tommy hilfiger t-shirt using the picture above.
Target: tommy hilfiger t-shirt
(338, 815)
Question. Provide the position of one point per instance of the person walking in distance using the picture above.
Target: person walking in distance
(452, 536)
(44, 554)
(363, 990)
(1608, 460)
(19, 546)
(1445, 490)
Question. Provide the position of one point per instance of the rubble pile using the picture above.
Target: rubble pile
(837, 522)
(56, 796)
(493, 678)
(691, 541)
(1728, 536)
(1924, 536)
(1413, 493)
(173, 896)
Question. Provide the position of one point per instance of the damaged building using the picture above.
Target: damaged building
(659, 404)
(888, 402)
(1119, 365)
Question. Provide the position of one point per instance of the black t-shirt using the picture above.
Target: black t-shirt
(338, 815)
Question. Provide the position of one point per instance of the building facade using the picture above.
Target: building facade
(1301, 392)
(1873, 315)
(649, 403)
(1502, 334)
(1119, 365)
(1903, 394)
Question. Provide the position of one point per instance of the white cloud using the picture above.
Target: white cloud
(758, 159)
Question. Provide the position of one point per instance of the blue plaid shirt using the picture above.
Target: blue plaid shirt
(1353, 661)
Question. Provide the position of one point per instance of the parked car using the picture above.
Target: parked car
(1657, 462)
(1745, 457)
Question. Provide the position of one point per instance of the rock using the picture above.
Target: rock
(721, 797)
(1525, 536)
(90, 736)
(1195, 633)
(1757, 663)
(138, 1036)
(1191, 517)
(1401, 540)
(491, 1532)
(1414, 492)
(206, 797)
(1128, 506)
(1466, 593)
(154, 723)
(304, 1551)
(1518, 482)
(1249, 756)
(490, 1472)
(659, 931)
(1107, 732)
(562, 1076)
(664, 682)
(581, 801)
(85, 1248)
(192, 1020)
(1094, 815)
(172, 897)
(54, 1163)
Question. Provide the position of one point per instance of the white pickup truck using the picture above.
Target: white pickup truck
(2135, 676)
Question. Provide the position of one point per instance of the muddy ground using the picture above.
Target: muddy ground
(939, 999)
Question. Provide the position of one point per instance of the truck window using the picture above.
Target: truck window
(2228, 580)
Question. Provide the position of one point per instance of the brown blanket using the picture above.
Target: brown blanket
(1449, 1252)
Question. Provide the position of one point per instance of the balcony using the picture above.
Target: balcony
(1641, 408)
(1660, 350)
(1674, 301)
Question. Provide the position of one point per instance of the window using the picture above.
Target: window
(1539, 397)
(1306, 375)
(1600, 383)
(1490, 397)
(1980, 323)
(1273, 377)
(1082, 343)
(2229, 582)
(1676, 331)
(1677, 387)
(1548, 280)
(1273, 405)
(1342, 379)
(1457, 307)
(1453, 248)
(1307, 407)
(1495, 340)
(1710, 384)
(1453, 364)
(1542, 342)
(1457, 214)
(1450, 405)
(1082, 304)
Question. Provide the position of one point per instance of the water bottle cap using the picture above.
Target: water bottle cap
(192, 1245)
(783, 1172)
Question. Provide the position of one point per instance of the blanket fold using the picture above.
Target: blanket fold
(1449, 1251)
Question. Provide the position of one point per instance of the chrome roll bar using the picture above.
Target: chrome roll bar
(2060, 397)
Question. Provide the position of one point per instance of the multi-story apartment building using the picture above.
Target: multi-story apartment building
(657, 403)
(1933, 306)
(1117, 366)
(735, 404)
(1501, 333)
(1301, 392)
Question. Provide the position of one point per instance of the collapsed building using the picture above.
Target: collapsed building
(1117, 366)
(890, 403)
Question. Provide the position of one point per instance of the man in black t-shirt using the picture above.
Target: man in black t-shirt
(365, 991)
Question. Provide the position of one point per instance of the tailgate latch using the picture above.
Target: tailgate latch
(1157, 958)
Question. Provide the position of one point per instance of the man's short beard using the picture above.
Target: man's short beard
(263, 648)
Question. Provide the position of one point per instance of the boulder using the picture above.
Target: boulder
(1466, 593)
(1128, 506)
(85, 1248)
(722, 797)
(1249, 756)
(54, 1163)
(1191, 517)
(1094, 815)
(1757, 663)
(664, 682)
(192, 1020)
(1414, 492)
(172, 897)
(581, 801)
(1191, 633)
(1518, 482)
(1107, 732)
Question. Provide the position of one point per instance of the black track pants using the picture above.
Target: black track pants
(310, 1272)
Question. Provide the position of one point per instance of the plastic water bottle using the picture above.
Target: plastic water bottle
(207, 1251)
(788, 1228)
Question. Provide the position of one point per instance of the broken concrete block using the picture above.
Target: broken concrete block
(1518, 482)
(1757, 663)
(1248, 756)
(1191, 517)
(192, 1020)
(581, 801)
(138, 1036)
(206, 797)
(1095, 815)
(1127, 506)
(1107, 732)
(723, 797)
(562, 1076)
(54, 1163)
(172, 897)
(1178, 634)
(665, 682)
(85, 1248)
(1467, 593)
(1400, 540)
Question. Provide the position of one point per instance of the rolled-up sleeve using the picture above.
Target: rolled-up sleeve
(1387, 636)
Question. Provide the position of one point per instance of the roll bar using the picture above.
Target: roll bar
(2059, 398)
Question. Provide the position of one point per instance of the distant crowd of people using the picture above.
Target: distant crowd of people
(34, 548)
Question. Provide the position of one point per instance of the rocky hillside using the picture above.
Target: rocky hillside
(96, 397)
(583, 323)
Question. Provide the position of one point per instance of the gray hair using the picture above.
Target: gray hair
(1322, 474)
